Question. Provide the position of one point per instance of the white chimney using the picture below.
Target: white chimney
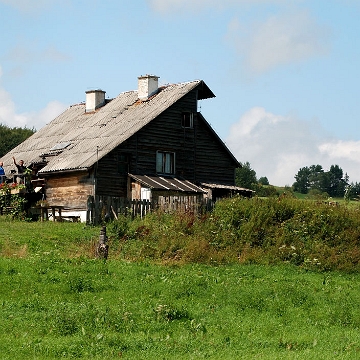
(94, 99)
(147, 86)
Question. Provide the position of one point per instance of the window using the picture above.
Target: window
(60, 146)
(123, 164)
(187, 120)
(165, 162)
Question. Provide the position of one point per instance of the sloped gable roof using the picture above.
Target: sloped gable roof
(75, 140)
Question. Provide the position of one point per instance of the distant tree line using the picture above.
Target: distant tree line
(334, 183)
(245, 177)
(312, 180)
(11, 137)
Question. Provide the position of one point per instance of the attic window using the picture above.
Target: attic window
(187, 120)
(60, 146)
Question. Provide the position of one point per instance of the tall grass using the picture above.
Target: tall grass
(263, 231)
(308, 234)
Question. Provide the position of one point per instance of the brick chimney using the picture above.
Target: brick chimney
(147, 86)
(94, 99)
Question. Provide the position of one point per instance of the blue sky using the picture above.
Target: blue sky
(285, 73)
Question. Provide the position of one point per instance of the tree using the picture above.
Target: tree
(245, 176)
(302, 183)
(316, 177)
(11, 137)
(263, 181)
(336, 182)
(354, 191)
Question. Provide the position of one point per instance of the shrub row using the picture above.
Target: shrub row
(310, 234)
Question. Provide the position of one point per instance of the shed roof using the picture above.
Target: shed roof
(168, 183)
(76, 140)
(235, 189)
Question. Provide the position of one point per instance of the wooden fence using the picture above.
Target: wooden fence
(104, 208)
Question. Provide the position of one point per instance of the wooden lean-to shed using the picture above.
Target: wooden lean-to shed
(143, 143)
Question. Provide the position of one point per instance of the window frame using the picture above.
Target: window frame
(165, 162)
(187, 123)
(123, 161)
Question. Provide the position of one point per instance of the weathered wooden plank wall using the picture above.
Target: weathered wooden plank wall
(70, 191)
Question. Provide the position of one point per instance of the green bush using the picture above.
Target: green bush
(265, 231)
(13, 206)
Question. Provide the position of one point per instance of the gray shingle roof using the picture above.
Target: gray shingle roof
(90, 136)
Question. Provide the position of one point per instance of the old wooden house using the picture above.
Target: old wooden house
(144, 144)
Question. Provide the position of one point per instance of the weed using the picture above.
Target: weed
(80, 284)
(170, 313)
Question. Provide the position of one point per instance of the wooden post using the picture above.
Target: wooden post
(102, 249)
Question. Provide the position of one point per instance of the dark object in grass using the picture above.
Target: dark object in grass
(102, 249)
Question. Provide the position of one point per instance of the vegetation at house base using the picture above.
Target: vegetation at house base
(13, 205)
(310, 234)
(11, 137)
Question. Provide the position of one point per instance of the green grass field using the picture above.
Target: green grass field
(81, 308)
(225, 286)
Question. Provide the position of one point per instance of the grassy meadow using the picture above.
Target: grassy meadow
(273, 279)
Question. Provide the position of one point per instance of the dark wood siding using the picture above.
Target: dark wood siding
(213, 162)
(200, 156)
(111, 174)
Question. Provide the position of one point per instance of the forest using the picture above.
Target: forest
(11, 137)
(312, 180)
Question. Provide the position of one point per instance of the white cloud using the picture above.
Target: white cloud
(346, 154)
(340, 149)
(250, 120)
(28, 5)
(280, 39)
(41, 118)
(278, 146)
(174, 6)
(9, 116)
(21, 53)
